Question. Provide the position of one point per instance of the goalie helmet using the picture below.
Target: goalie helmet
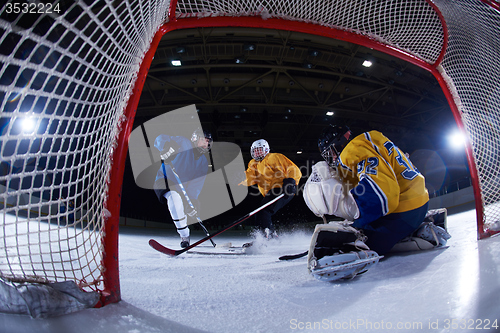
(200, 134)
(332, 141)
(259, 149)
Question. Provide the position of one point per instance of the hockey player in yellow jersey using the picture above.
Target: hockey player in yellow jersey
(382, 191)
(274, 174)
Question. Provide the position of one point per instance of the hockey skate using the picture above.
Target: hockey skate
(267, 234)
(338, 251)
(437, 236)
(270, 234)
(185, 242)
(431, 234)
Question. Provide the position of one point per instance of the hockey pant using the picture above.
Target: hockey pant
(388, 230)
(263, 217)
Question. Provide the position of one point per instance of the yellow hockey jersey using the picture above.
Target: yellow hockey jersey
(384, 179)
(270, 172)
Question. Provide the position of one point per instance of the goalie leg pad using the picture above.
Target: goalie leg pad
(410, 244)
(343, 266)
(338, 251)
(334, 237)
(438, 216)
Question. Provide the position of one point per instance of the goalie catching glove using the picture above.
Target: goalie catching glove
(325, 194)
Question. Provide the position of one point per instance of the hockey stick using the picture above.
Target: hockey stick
(303, 254)
(157, 246)
(294, 256)
(185, 195)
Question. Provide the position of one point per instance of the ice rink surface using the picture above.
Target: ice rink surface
(456, 289)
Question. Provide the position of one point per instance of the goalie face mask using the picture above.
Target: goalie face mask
(331, 156)
(332, 141)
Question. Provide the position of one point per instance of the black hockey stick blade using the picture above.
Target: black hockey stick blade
(294, 256)
(163, 249)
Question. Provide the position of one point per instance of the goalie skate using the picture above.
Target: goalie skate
(430, 235)
(338, 251)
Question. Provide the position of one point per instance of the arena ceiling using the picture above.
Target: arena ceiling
(286, 87)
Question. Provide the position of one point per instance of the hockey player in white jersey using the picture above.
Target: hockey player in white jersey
(187, 157)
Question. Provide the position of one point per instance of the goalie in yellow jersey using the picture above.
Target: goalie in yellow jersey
(274, 174)
(379, 189)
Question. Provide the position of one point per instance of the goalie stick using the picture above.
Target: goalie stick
(294, 256)
(302, 254)
(163, 249)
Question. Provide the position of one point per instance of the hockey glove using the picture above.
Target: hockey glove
(165, 154)
(168, 152)
(289, 187)
(325, 194)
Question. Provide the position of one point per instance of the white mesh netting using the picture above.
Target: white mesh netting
(471, 61)
(415, 27)
(71, 73)
(410, 25)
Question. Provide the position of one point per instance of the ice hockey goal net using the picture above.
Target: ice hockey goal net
(74, 70)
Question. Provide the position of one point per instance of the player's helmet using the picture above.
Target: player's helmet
(199, 134)
(332, 141)
(259, 149)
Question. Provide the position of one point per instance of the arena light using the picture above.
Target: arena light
(176, 62)
(180, 49)
(329, 113)
(457, 140)
(248, 47)
(28, 125)
(240, 60)
(367, 63)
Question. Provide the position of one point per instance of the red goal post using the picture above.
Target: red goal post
(78, 75)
